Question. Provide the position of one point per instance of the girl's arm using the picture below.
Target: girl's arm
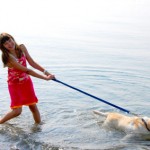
(13, 63)
(31, 61)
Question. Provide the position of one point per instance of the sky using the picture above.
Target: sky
(52, 17)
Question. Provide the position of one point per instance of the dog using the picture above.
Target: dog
(125, 123)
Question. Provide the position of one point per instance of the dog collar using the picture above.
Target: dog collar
(145, 124)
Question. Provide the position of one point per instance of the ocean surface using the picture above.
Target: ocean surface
(108, 58)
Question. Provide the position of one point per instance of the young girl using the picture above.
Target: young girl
(20, 86)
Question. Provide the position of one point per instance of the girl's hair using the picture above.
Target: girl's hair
(5, 53)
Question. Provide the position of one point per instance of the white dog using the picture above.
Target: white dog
(125, 123)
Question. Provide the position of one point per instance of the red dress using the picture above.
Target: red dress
(20, 86)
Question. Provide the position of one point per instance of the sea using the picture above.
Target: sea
(106, 56)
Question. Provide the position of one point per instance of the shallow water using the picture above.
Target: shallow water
(68, 121)
(109, 59)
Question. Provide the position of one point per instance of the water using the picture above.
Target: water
(107, 56)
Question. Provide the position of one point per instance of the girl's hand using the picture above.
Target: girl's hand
(50, 77)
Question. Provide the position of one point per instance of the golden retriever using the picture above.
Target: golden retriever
(125, 123)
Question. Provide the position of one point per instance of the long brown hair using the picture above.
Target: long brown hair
(5, 53)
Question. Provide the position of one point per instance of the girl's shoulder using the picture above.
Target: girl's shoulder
(23, 48)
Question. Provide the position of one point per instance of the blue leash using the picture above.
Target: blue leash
(97, 98)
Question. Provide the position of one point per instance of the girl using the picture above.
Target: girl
(20, 86)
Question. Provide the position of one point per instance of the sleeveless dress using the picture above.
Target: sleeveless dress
(20, 86)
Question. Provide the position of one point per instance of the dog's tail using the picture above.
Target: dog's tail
(100, 113)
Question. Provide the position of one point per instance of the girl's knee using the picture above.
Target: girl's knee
(17, 111)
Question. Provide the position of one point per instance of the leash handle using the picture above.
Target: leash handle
(97, 98)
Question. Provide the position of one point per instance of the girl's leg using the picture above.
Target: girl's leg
(36, 113)
(13, 113)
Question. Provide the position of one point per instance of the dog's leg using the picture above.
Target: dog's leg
(100, 113)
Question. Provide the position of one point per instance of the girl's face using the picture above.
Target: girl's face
(9, 44)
